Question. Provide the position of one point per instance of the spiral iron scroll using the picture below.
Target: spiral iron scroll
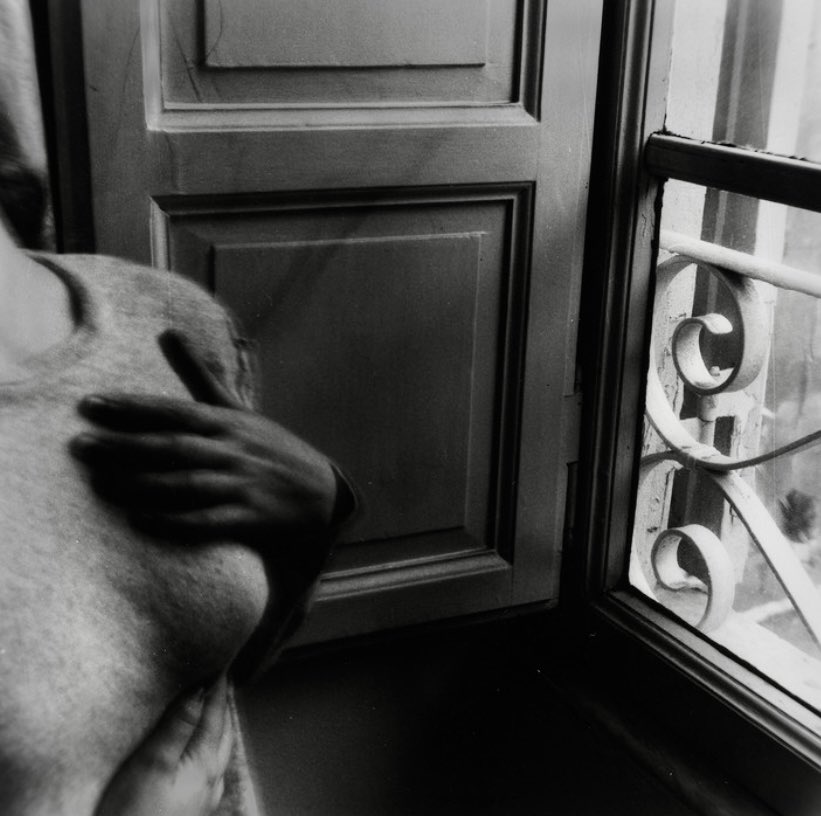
(684, 451)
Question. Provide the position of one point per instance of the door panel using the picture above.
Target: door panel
(366, 206)
(319, 304)
(344, 34)
(383, 334)
(347, 53)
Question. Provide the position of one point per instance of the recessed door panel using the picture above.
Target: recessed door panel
(339, 53)
(381, 334)
(344, 33)
(373, 339)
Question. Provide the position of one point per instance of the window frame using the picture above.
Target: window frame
(781, 763)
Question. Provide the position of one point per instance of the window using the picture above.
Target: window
(703, 532)
(733, 374)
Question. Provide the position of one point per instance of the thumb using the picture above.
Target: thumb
(167, 743)
(195, 375)
(209, 735)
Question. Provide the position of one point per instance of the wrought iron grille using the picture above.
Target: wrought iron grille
(672, 564)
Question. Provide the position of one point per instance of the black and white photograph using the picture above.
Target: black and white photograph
(410, 407)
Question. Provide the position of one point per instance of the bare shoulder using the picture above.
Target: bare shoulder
(145, 301)
(131, 279)
(147, 293)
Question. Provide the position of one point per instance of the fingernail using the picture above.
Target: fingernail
(219, 688)
(194, 698)
(81, 444)
(89, 405)
(189, 706)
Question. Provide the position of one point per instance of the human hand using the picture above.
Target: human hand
(179, 768)
(209, 470)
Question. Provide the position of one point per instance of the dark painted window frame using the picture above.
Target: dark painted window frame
(758, 737)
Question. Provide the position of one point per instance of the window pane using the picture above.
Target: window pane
(748, 72)
(735, 375)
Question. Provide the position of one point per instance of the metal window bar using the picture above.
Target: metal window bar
(783, 179)
(737, 270)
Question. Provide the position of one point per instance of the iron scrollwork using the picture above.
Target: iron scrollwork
(655, 563)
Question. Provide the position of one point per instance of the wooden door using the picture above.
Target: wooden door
(390, 195)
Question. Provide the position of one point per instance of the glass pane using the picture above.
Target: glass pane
(729, 545)
(748, 72)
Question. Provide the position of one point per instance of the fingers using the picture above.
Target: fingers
(180, 767)
(228, 521)
(226, 744)
(148, 412)
(109, 450)
(196, 727)
(195, 375)
(212, 738)
(173, 491)
(212, 742)
(141, 412)
(167, 743)
(222, 759)
(216, 794)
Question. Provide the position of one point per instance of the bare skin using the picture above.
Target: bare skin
(179, 769)
(211, 470)
(35, 308)
(233, 476)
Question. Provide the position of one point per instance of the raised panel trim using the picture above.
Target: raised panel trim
(346, 583)
(363, 602)
(201, 117)
(318, 159)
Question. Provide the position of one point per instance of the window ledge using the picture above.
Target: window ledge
(745, 735)
(789, 667)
